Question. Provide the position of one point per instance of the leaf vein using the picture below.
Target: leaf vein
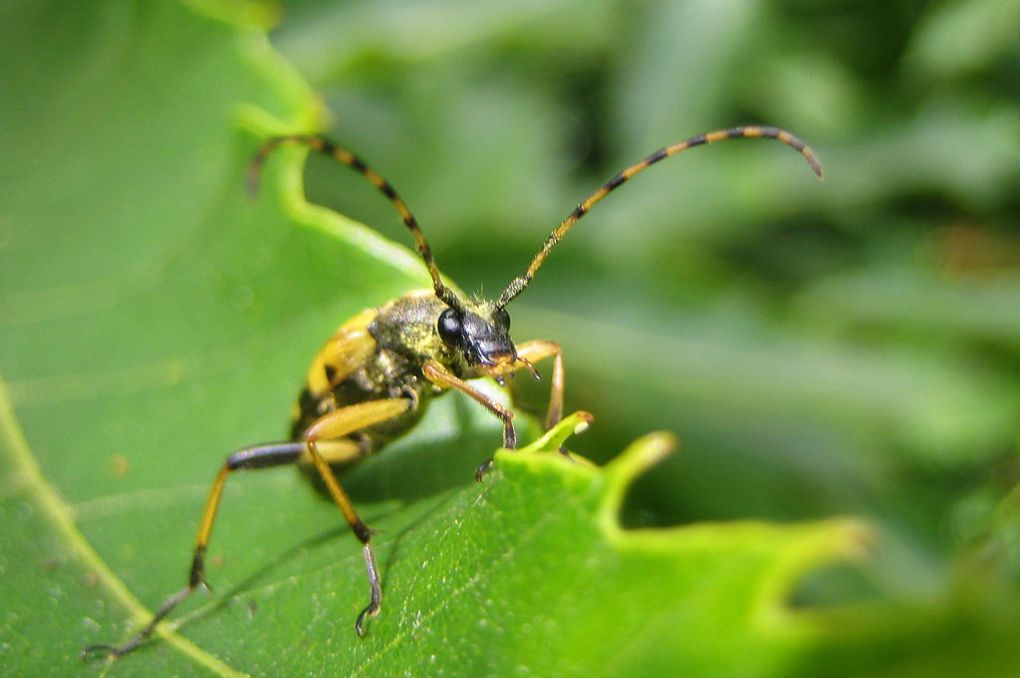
(59, 515)
(467, 586)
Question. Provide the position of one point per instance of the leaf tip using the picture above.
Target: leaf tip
(557, 436)
(641, 455)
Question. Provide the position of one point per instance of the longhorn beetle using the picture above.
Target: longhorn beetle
(367, 385)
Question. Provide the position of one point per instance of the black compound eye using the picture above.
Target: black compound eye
(449, 326)
(503, 318)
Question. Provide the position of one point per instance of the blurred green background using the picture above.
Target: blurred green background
(845, 346)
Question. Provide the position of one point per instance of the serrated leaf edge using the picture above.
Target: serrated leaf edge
(798, 547)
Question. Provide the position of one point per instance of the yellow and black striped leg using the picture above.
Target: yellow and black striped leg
(249, 458)
(337, 424)
(441, 377)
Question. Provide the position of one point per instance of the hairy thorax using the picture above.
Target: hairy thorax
(378, 354)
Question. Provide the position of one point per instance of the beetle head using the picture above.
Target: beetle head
(480, 331)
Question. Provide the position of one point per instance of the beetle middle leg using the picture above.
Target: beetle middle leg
(338, 424)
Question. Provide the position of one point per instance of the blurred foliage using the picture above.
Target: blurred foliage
(844, 347)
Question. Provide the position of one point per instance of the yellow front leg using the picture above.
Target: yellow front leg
(529, 353)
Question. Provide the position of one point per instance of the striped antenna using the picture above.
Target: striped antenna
(518, 284)
(342, 155)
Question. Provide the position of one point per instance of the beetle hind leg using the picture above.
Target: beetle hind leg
(324, 444)
(256, 457)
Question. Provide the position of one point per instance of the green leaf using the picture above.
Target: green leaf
(153, 320)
